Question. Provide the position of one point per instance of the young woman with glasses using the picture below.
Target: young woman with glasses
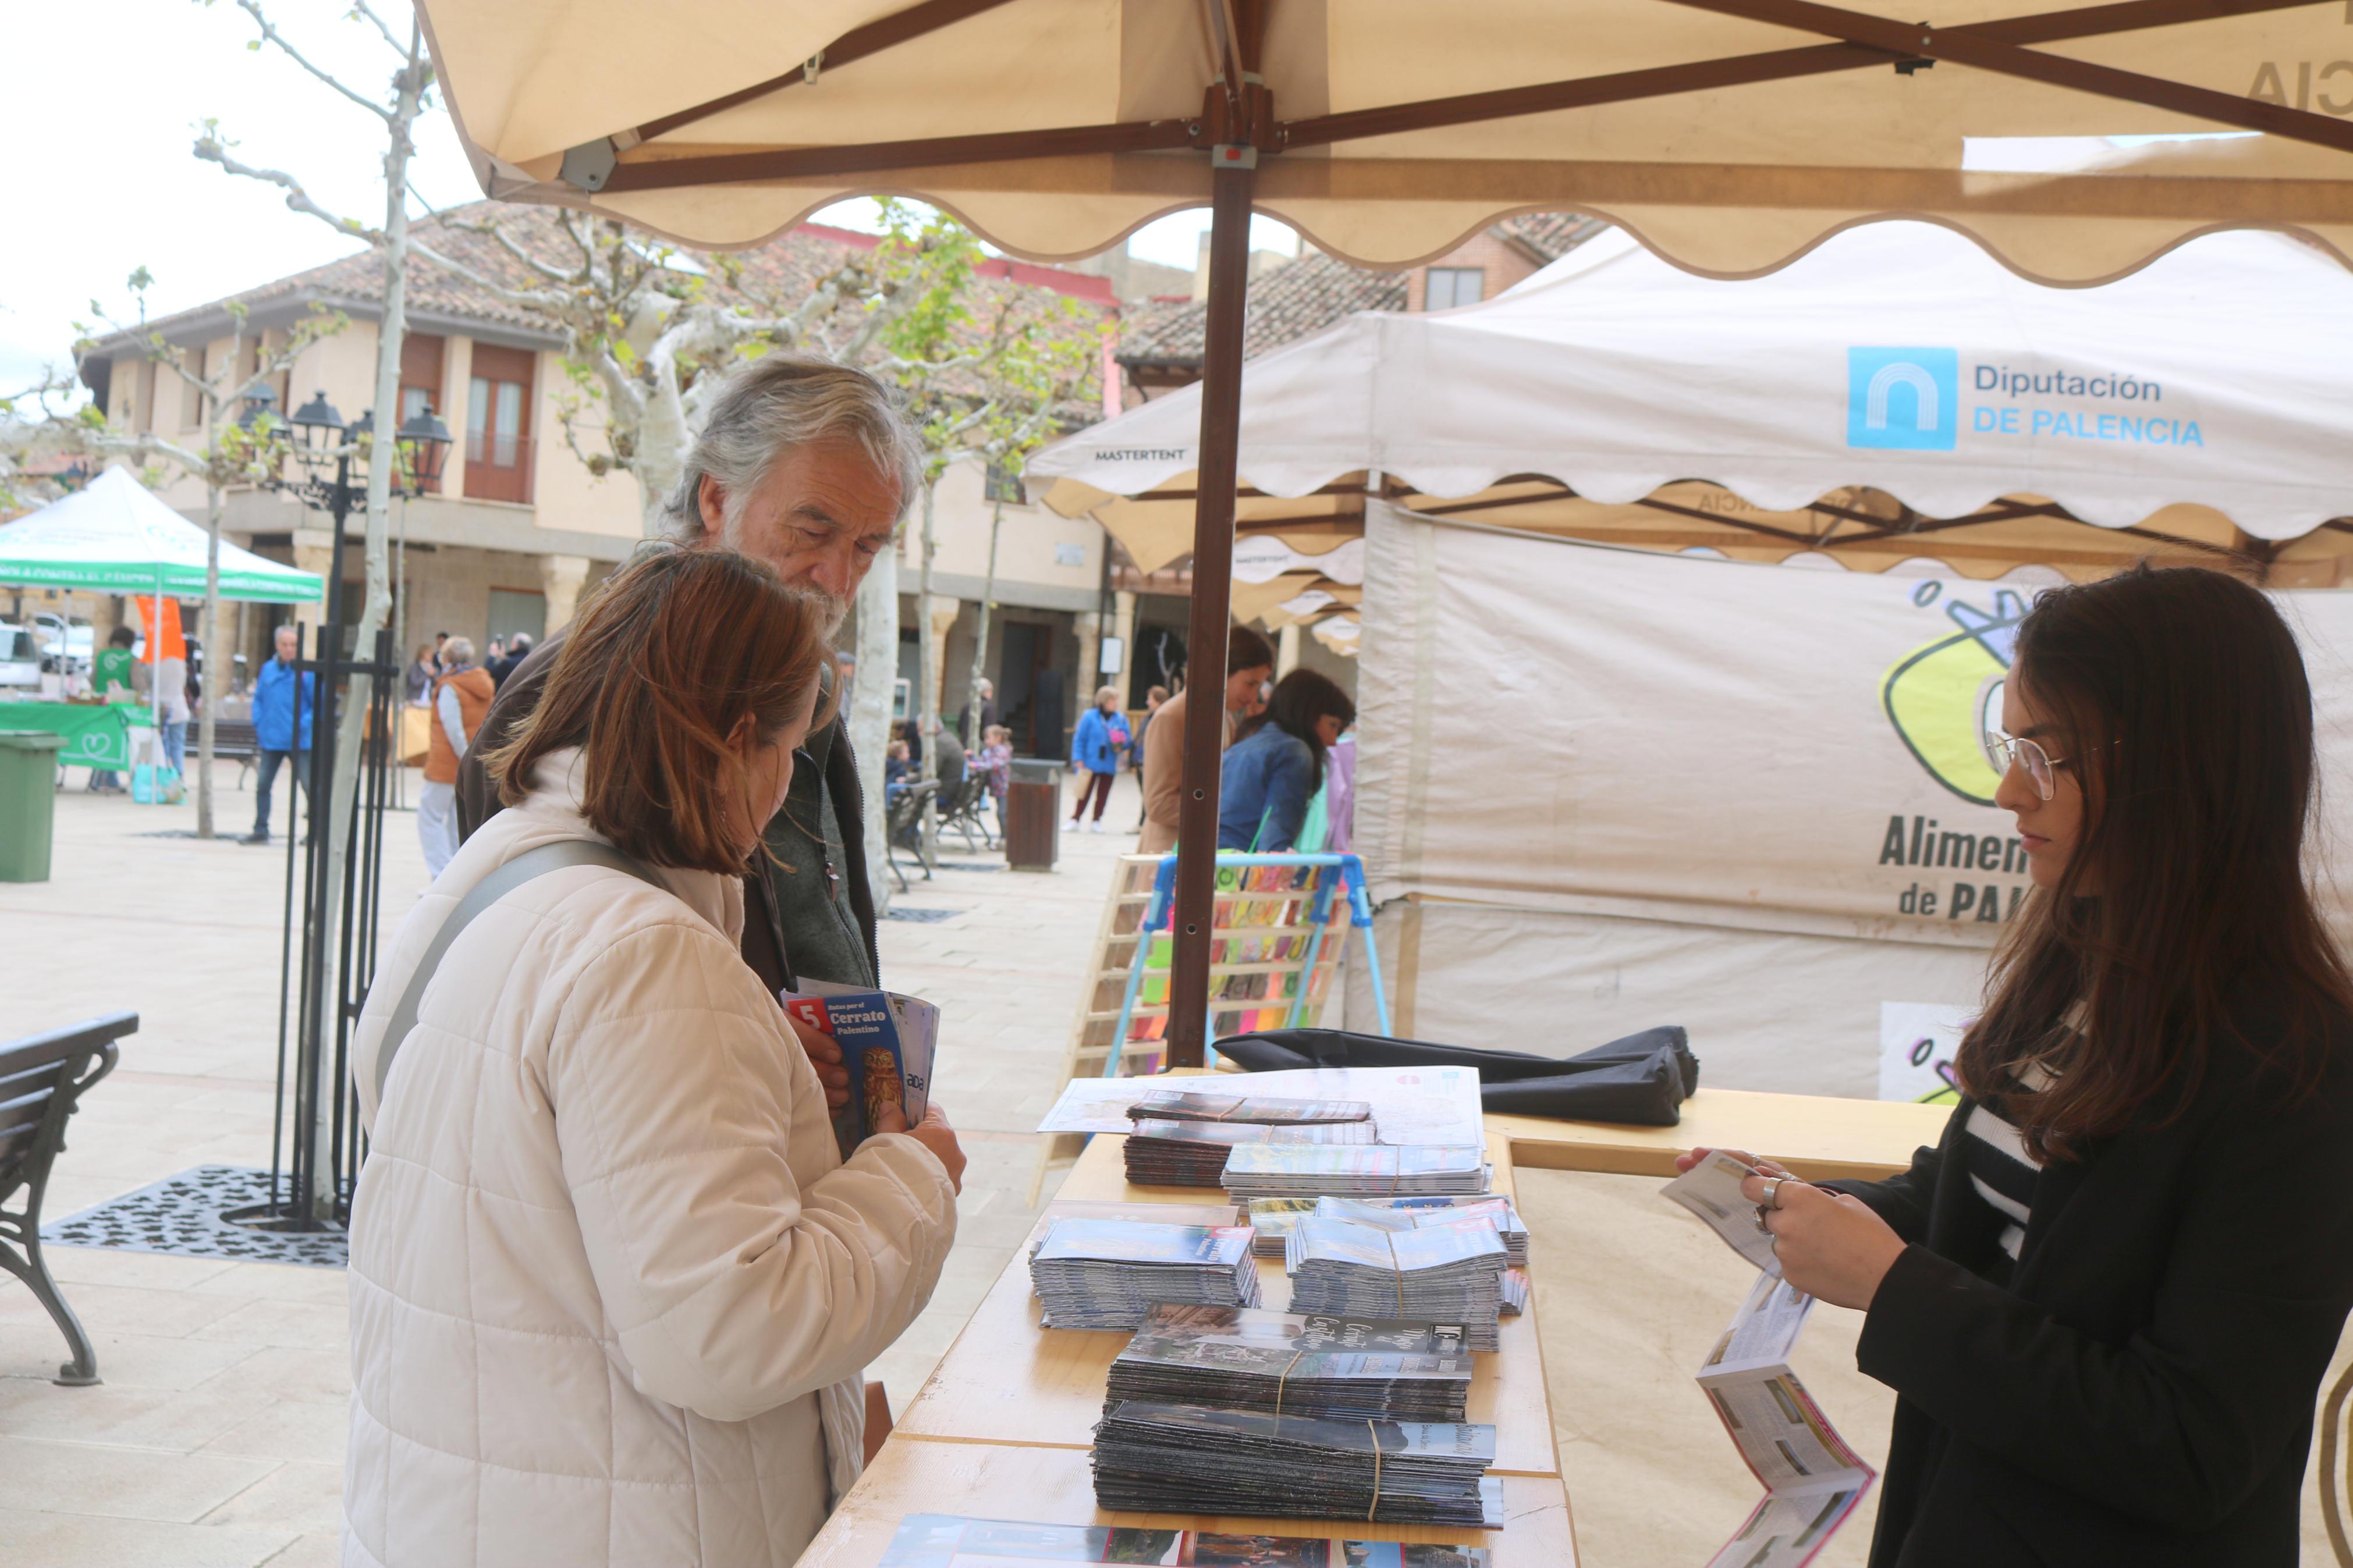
(2107, 1298)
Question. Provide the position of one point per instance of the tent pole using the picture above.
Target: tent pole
(1234, 171)
(154, 699)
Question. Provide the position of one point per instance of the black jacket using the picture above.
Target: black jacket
(2143, 1392)
(812, 913)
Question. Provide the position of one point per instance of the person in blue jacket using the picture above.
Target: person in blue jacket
(282, 705)
(1275, 769)
(1095, 746)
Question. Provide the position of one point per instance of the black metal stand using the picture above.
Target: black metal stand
(314, 1155)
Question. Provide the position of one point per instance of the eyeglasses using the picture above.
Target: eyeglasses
(2007, 752)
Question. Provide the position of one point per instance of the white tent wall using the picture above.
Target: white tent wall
(1634, 789)
(1766, 1010)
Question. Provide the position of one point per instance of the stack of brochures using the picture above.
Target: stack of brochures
(1193, 1154)
(1108, 1273)
(1295, 1364)
(1419, 1214)
(1381, 1171)
(1187, 1105)
(946, 1541)
(1183, 1458)
(1448, 1275)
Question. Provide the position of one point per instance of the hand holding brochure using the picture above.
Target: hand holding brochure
(1711, 1189)
(888, 1042)
(1813, 1479)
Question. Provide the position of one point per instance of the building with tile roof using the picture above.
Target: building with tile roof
(519, 525)
(1160, 346)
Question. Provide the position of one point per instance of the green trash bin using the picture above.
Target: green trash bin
(28, 795)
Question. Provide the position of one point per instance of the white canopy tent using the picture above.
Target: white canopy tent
(114, 536)
(1603, 789)
(2205, 403)
(1389, 132)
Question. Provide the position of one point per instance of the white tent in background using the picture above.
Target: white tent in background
(2203, 398)
(1601, 789)
(113, 536)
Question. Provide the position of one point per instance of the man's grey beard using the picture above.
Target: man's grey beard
(832, 608)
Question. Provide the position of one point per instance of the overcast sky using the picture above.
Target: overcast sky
(118, 97)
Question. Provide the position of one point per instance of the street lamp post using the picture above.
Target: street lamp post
(322, 988)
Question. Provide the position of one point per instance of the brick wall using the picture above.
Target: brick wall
(1502, 263)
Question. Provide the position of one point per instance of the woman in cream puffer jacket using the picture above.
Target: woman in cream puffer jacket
(612, 1286)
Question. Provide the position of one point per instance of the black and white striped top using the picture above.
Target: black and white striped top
(2002, 1171)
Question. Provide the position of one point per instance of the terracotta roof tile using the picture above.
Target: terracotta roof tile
(1294, 300)
(1304, 296)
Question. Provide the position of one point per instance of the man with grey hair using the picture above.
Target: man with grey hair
(808, 466)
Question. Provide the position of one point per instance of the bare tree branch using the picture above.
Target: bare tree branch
(271, 34)
(213, 151)
(360, 8)
(507, 243)
(542, 299)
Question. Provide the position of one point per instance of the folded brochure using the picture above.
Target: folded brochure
(887, 1042)
(1813, 1479)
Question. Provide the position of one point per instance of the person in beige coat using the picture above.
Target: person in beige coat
(613, 1287)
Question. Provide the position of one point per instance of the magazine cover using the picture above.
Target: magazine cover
(887, 1042)
(1119, 1241)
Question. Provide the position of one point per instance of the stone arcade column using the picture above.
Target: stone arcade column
(561, 578)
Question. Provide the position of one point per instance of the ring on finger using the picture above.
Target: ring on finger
(1773, 1192)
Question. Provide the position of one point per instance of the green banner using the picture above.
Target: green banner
(286, 587)
(96, 736)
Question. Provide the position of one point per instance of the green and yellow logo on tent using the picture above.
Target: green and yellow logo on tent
(1942, 696)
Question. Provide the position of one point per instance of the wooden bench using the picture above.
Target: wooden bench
(42, 1079)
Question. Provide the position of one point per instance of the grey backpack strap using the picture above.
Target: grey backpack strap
(529, 865)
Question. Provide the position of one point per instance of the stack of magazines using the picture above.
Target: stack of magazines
(1108, 1273)
(1193, 1154)
(1183, 1458)
(1272, 1219)
(1380, 1170)
(1295, 1364)
(1446, 1276)
(1186, 1105)
(1420, 1214)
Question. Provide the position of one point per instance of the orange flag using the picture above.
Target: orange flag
(173, 642)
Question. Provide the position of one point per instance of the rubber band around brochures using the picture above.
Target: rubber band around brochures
(1374, 1506)
(1278, 1388)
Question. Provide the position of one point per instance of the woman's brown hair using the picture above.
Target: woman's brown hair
(2180, 704)
(663, 664)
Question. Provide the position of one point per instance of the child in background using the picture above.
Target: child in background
(897, 768)
(995, 766)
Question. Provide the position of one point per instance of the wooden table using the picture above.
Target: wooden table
(1002, 1430)
(1004, 1427)
(1817, 1136)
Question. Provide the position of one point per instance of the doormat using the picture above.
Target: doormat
(181, 1215)
(921, 917)
(970, 865)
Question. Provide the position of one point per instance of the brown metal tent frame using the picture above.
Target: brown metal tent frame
(1237, 128)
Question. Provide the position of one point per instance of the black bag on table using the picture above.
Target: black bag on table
(1640, 1080)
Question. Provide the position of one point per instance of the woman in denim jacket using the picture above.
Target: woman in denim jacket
(1277, 766)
